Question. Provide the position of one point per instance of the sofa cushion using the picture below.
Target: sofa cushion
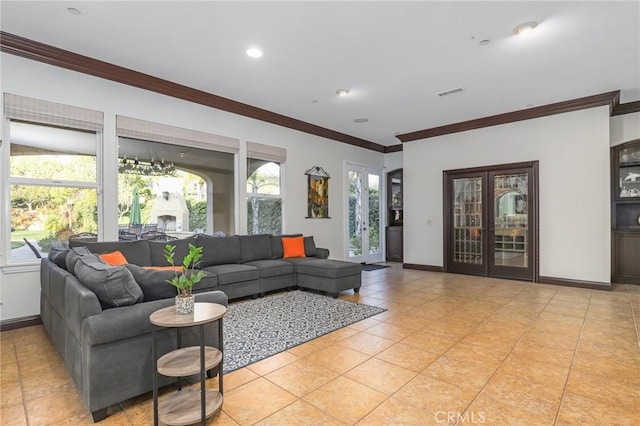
(73, 256)
(113, 285)
(293, 247)
(254, 247)
(153, 283)
(59, 257)
(271, 268)
(230, 273)
(310, 247)
(136, 252)
(218, 250)
(156, 250)
(329, 268)
(276, 245)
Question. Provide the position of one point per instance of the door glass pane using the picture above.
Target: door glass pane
(467, 220)
(374, 214)
(511, 220)
(355, 213)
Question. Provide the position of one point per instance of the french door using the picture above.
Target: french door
(363, 217)
(491, 221)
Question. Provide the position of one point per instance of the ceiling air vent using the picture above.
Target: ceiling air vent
(450, 91)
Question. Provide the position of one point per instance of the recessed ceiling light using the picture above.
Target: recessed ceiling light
(254, 52)
(484, 42)
(342, 92)
(360, 120)
(525, 28)
(74, 11)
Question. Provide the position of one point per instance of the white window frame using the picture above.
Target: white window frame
(43, 113)
(273, 154)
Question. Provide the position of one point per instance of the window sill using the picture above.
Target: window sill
(20, 268)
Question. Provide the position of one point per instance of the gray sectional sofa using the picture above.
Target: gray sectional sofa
(97, 315)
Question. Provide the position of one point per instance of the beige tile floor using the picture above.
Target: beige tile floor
(450, 349)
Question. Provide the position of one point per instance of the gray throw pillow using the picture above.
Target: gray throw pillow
(73, 256)
(310, 247)
(59, 257)
(114, 285)
(153, 282)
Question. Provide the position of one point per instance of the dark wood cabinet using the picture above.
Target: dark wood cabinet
(394, 243)
(625, 213)
(395, 214)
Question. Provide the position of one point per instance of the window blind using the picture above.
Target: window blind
(156, 132)
(45, 112)
(266, 152)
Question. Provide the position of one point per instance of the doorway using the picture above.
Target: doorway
(491, 221)
(363, 216)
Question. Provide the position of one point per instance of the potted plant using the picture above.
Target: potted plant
(184, 280)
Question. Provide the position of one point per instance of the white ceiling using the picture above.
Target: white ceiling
(393, 56)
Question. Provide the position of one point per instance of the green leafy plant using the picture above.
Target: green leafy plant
(185, 280)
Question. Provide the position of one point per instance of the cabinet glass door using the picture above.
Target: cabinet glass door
(510, 224)
(511, 220)
(468, 220)
(467, 252)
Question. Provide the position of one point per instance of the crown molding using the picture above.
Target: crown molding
(29, 49)
(393, 148)
(33, 50)
(627, 108)
(610, 98)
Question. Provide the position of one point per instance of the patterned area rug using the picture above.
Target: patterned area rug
(257, 329)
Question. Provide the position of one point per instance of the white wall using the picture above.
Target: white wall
(573, 151)
(19, 292)
(625, 128)
(393, 161)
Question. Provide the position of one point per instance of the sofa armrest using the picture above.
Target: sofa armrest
(322, 253)
(80, 303)
(126, 322)
(215, 296)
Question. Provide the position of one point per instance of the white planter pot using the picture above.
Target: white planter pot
(184, 305)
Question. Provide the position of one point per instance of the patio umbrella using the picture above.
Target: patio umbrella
(134, 217)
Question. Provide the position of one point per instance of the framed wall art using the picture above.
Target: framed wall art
(317, 193)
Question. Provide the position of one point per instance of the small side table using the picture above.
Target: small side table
(184, 407)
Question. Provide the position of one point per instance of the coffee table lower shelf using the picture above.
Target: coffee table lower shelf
(183, 407)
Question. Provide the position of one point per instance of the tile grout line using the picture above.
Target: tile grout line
(635, 318)
(575, 352)
(22, 393)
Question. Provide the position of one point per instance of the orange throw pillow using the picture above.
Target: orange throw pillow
(115, 258)
(293, 247)
(165, 268)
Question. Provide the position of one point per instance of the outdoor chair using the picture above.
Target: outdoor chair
(33, 248)
(150, 227)
(127, 236)
(84, 236)
(135, 229)
(161, 236)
